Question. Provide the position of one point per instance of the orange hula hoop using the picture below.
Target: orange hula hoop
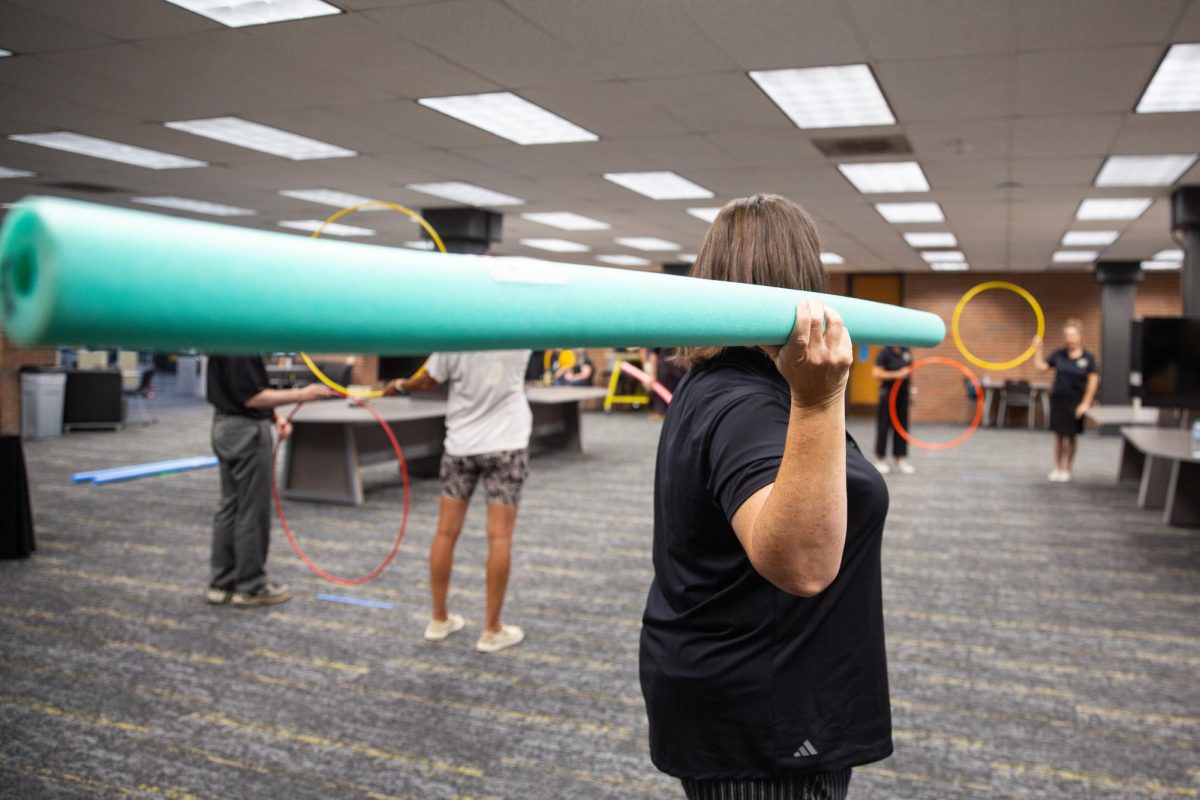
(955, 442)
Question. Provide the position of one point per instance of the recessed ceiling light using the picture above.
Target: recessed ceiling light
(6, 172)
(1113, 208)
(931, 239)
(1073, 256)
(195, 206)
(333, 228)
(1143, 170)
(1160, 266)
(709, 215)
(112, 151)
(263, 138)
(646, 243)
(509, 117)
(625, 261)
(910, 212)
(331, 197)
(419, 244)
(466, 193)
(1169, 255)
(1176, 84)
(567, 221)
(829, 257)
(943, 255)
(6, 53)
(826, 97)
(687, 258)
(659, 185)
(1089, 238)
(950, 266)
(239, 13)
(891, 176)
(556, 245)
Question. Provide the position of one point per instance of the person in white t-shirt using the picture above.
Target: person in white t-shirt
(488, 423)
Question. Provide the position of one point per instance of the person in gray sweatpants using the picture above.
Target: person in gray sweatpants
(244, 415)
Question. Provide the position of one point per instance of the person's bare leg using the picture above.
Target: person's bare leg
(451, 514)
(501, 519)
(1058, 451)
(1069, 453)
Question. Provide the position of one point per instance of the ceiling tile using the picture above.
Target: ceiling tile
(125, 20)
(1079, 134)
(931, 28)
(726, 101)
(1060, 24)
(768, 148)
(953, 139)
(28, 31)
(1157, 133)
(819, 32)
(947, 88)
(1082, 81)
(607, 108)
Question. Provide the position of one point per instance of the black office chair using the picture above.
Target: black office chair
(972, 399)
(1016, 394)
(141, 394)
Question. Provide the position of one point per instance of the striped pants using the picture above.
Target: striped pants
(811, 786)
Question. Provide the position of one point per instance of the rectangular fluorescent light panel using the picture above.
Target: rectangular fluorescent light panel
(567, 221)
(332, 229)
(510, 117)
(709, 215)
(910, 212)
(263, 138)
(659, 185)
(1113, 208)
(931, 239)
(687, 258)
(5, 53)
(330, 197)
(1176, 84)
(826, 97)
(195, 206)
(556, 245)
(1089, 238)
(646, 243)
(892, 176)
(109, 150)
(1074, 256)
(1169, 255)
(1160, 266)
(6, 172)
(625, 261)
(943, 255)
(829, 257)
(466, 193)
(240, 13)
(1144, 170)
(949, 266)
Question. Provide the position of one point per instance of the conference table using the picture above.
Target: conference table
(333, 439)
(993, 389)
(1161, 459)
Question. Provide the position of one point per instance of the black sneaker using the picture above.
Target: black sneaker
(268, 594)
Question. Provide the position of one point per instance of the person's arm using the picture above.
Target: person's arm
(881, 374)
(794, 529)
(1089, 394)
(421, 383)
(1039, 355)
(272, 398)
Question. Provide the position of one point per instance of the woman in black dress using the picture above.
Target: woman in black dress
(1071, 395)
(762, 652)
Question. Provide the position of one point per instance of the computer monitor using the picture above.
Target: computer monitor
(1170, 362)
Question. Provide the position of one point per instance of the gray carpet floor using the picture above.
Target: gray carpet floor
(1044, 639)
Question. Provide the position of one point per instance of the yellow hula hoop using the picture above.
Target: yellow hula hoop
(996, 365)
(437, 241)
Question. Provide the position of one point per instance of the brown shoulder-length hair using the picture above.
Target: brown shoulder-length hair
(766, 240)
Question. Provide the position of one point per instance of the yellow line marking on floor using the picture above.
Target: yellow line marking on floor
(78, 716)
(318, 663)
(894, 775)
(993, 686)
(31, 613)
(116, 580)
(931, 737)
(1048, 772)
(600, 779)
(176, 655)
(1143, 717)
(148, 619)
(984, 622)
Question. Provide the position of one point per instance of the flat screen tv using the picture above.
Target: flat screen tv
(1170, 362)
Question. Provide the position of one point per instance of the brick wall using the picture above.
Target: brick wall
(998, 325)
(12, 358)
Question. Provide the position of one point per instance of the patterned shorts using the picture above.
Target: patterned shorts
(503, 474)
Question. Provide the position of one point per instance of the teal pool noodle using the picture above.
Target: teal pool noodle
(86, 274)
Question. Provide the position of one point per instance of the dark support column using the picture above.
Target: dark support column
(1118, 289)
(677, 268)
(1185, 222)
(464, 230)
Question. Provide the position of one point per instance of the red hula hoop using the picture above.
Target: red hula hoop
(955, 442)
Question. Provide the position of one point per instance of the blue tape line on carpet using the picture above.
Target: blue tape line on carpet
(354, 601)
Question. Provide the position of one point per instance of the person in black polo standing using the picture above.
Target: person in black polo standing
(244, 415)
(892, 364)
(1071, 395)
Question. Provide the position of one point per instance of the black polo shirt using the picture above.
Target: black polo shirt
(742, 679)
(892, 359)
(1070, 374)
(232, 380)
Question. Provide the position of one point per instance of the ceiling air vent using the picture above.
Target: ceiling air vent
(82, 186)
(864, 146)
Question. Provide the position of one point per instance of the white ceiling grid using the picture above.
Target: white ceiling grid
(1011, 107)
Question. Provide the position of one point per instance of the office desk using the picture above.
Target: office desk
(333, 439)
(993, 388)
(1170, 476)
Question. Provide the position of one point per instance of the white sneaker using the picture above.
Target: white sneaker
(440, 630)
(906, 468)
(1064, 476)
(494, 642)
(1055, 475)
(882, 466)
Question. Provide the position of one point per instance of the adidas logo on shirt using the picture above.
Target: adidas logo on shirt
(806, 750)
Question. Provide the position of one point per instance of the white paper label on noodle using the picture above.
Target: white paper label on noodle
(519, 270)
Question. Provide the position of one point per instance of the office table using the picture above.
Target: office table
(992, 388)
(1170, 473)
(332, 439)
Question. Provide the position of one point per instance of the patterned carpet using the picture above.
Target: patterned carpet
(1044, 639)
